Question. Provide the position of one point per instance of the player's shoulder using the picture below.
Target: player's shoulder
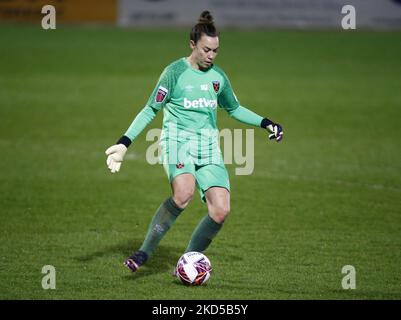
(176, 67)
(220, 71)
(223, 76)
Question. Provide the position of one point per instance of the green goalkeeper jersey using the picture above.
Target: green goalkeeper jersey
(189, 99)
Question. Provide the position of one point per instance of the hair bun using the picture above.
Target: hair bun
(204, 26)
(205, 18)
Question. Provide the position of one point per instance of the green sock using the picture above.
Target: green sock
(162, 221)
(203, 235)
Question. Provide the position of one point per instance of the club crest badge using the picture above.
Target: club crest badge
(179, 165)
(161, 94)
(216, 86)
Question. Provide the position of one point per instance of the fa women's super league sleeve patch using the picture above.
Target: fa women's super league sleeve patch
(161, 94)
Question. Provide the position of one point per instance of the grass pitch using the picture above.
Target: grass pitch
(326, 197)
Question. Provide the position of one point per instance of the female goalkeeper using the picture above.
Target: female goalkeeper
(189, 91)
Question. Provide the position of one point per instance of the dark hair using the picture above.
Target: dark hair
(205, 26)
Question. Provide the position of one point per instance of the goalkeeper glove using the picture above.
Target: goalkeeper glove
(116, 154)
(275, 130)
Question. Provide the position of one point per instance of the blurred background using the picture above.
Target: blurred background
(229, 13)
(327, 196)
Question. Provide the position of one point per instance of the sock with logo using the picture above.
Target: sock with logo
(203, 235)
(163, 219)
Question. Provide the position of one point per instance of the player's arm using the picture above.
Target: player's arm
(157, 100)
(229, 101)
(247, 116)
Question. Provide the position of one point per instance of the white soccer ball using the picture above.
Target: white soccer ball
(193, 268)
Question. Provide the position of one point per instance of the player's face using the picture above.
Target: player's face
(205, 51)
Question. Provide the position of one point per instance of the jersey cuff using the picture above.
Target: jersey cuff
(125, 141)
(265, 122)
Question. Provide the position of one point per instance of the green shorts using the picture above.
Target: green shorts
(206, 176)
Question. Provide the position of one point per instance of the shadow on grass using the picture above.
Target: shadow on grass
(162, 261)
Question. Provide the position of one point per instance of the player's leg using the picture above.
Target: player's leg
(183, 186)
(218, 203)
(214, 186)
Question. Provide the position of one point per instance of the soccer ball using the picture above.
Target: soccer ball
(193, 268)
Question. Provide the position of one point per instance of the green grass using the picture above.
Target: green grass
(326, 197)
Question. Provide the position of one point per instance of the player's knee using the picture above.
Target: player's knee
(183, 198)
(220, 213)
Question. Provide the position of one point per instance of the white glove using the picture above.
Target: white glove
(115, 155)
